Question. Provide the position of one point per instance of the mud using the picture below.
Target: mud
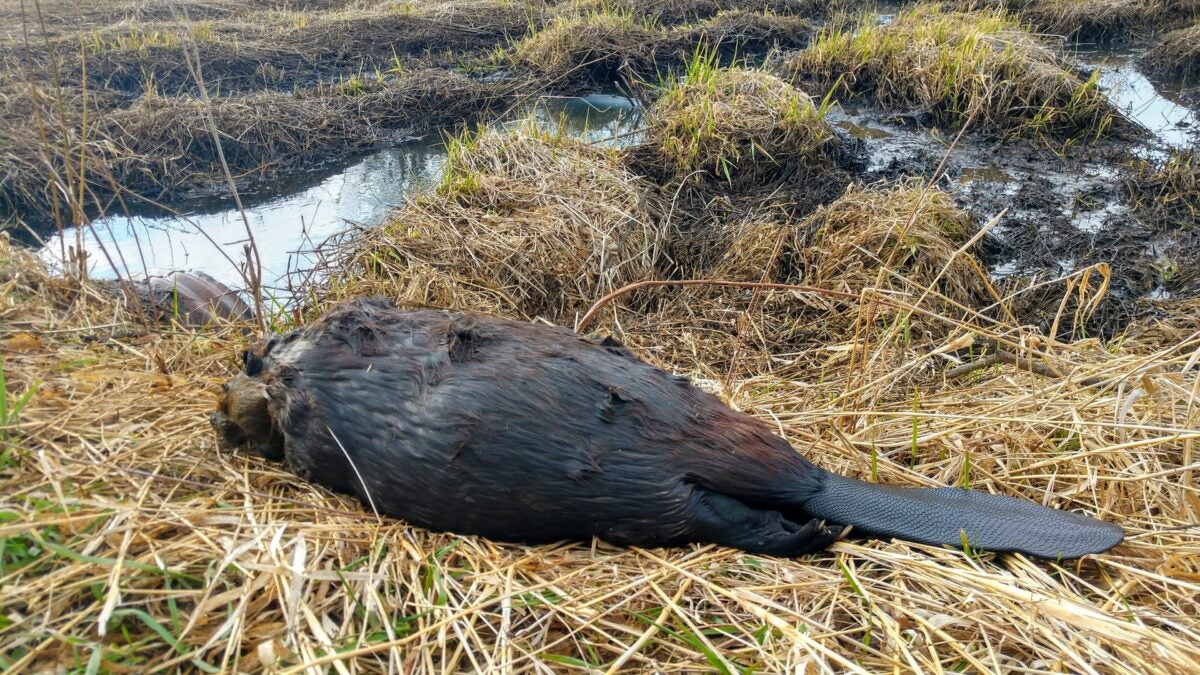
(1059, 212)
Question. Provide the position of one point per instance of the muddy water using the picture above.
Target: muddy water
(1159, 107)
(210, 236)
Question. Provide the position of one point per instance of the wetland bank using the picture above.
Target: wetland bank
(930, 244)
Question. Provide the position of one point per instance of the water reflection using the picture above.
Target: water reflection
(362, 193)
(1135, 95)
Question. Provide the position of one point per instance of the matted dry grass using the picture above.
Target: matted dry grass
(1177, 54)
(129, 543)
(978, 67)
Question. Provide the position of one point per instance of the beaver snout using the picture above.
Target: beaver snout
(244, 417)
(229, 435)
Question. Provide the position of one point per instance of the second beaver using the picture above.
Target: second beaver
(532, 433)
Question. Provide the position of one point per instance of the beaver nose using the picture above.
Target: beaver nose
(229, 435)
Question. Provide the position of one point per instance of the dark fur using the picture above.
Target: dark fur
(529, 433)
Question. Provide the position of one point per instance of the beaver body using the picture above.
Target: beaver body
(530, 433)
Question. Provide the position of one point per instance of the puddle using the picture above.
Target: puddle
(1171, 121)
(864, 132)
(207, 236)
(1159, 107)
(984, 174)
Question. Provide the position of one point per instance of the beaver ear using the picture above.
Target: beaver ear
(252, 361)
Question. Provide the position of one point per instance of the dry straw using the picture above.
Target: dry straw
(523, 223)
(959, 66)
(121, 517)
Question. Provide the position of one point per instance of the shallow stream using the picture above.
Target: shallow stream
(210, 236)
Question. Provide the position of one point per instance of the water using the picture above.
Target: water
(1171, 122)
(1157, 106)
(208, 239)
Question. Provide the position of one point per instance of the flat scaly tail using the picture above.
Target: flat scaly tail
(950, 516)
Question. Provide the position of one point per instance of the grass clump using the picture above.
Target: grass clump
(726, 142)
(740, 126)
(627, 46)
(523, 224)
(599, 46)
(902, 241)
(1166, 194)
(674, 12)
(980, 67)
(1176, 55)
(904, 238)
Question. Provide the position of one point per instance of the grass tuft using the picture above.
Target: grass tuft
(1176, 55)
(739, 126)
(979, 67)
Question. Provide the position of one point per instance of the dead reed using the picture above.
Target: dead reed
(1177, 54)
(130, 544)
(978, 67)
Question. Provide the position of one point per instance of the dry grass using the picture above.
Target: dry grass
(1083, 19)
(673, 12)
(727, 144)
(903, 241)
(918, 235)
(963, 67)
(1088, 20)
(1177, 54)
(160, 148)
(743, 127)
(523, 223)
(130, 544)
(273, 47)
(629, 46)
(1166, 194)
(619, 46)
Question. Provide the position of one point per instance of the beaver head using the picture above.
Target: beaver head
(243, 415)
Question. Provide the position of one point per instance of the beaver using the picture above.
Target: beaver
(191, 298)
(531, 433)
(195, 298)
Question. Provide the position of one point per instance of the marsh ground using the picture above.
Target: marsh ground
(932, 244)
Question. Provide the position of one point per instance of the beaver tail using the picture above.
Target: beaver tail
(949, 516)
